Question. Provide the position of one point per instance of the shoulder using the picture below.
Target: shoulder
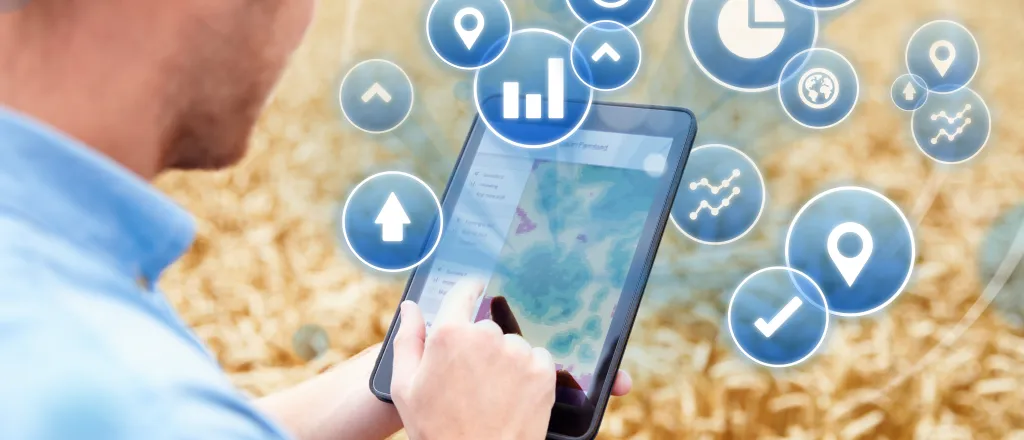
(70, 380)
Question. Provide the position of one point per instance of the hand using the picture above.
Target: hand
(469, 381)
(501, 314)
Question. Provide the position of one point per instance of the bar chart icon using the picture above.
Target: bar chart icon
(534, 101)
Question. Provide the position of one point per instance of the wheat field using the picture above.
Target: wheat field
(939, 363)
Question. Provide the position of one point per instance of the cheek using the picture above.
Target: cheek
(295, 19)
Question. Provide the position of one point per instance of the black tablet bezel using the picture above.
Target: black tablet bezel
(679, 124)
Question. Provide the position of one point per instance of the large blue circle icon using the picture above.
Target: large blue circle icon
(857, 245)
(625, 12)
(469, 34)
(376, 96)
(945, 54)
(952, 128)
(721, 196)
(392, 221)
(819, 88)
(744, 44)
(606, 55)
(529, 97)
(771, 320)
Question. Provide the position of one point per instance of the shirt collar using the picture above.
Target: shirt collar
(70, 191)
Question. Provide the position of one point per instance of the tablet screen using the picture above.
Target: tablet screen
(553, 233)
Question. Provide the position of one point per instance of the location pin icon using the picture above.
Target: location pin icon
(850, 267)
(469, 36)
(942, 65)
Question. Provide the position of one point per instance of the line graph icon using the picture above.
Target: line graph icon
(714, 210)
(715, 189)
(951, 136)
(722, 195)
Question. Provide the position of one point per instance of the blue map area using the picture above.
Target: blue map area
(550, 293)
(568, 252)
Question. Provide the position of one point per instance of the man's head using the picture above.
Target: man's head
(204, 69)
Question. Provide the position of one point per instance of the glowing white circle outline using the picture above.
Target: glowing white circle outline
(977, 50)
(825, 308)
(508, 39)
(412, 95)
(984, 143)
(856, 95)
(764, 198)
(577, 15)
(440, 216)
(640, 55)
(693, 54)
(483, 116)
(906, 222)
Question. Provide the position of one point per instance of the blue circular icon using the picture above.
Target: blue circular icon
(469, 34)
(528, 97)
(721, 196)
(376, 96)
(819, 88)
(744, 44)
(945, 54)
(606, 55)
(856, 245)
(952, 128)
(392, 221)
(771, 321)
(909, 92)
(625, 12)
(824, 5)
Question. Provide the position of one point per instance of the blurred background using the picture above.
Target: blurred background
(268, 287)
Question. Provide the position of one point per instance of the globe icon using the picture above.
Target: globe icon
(818, 88)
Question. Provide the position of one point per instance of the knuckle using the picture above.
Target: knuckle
(446, 334)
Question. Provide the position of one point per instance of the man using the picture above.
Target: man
(100, 96)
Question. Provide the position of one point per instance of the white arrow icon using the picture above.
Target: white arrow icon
(376, 90)
(606, 50)
(909, 92)
(392, 219)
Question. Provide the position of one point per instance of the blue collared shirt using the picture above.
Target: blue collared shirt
(89, 349)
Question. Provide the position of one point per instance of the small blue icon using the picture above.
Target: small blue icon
(952, 128)
(819, 88)
(771, 321)
(944, 54)
(469, 34)
(721, 196)
(376, 96)
(856, 245)
(625, 12)
(528, 97)
(392, 221)
(909, 92)
(606, 55)
(744, 44)
(824, 5)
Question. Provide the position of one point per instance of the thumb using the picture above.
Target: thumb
(408, 345)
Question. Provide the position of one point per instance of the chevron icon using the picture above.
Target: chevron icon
(606, 50)
(376, 90)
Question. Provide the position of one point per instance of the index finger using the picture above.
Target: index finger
(459, 304)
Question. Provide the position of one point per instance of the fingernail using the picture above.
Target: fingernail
(403, 308)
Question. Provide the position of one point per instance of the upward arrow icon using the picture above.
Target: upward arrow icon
(392, 218)
(606, 50)
(909, 92)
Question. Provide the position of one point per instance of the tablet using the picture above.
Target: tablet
(564, 237)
